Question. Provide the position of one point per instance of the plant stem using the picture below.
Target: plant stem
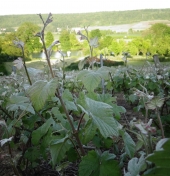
(25, 67)
(47, 57)
(80, 121)
(75, 132)
(63, 69)
(144, 143)
(160, 123)
(150, 143)
(75, 147)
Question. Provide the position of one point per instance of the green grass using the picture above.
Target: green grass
(39, 63)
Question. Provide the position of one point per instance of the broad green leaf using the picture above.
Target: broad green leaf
(154, 103)
(130, 146)
(30, 121)
(10, 125)
(161, 159)
(70, 105)
(46, 141)
(32, 154)
(139, 144)
(95, 164)
(72, 155)
(68, 100)
(90, 79)
(41, 131)
(108, 142)
(106, 98)
(89, 166)
(101, 115)
(58, 115)
(19, 102)
(108, 165)
(81, 64)
(58, 149)
(104, 72)
(88, 132)
(41, 91)
(117, 110)
(67, 95)
(132, 98)
(61, 121)
(135, 166)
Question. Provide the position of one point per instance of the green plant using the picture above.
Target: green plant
(92, 43)
(19, 62)
(64, 117)
(160, 158)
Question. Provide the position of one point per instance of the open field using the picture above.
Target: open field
(41, 63)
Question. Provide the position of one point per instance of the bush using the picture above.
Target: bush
(108, 63)
(3, 69)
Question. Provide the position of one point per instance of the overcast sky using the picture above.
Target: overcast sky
(11, 7)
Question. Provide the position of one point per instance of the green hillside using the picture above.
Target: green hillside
(92, 19)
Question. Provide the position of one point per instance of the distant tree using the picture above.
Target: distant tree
(26, 33)
(123, 45)
(139, 46)
(8, 47)
(49, 38)
(75, 44)
(115, 47)
(156, 31)
(105, 52)
(105, 42)
(85, 47)
(162, 46)
(133, 50)
(159, 35)
(65, 40)
(37, 44)
(95, 33)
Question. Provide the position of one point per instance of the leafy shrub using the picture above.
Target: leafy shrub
(108, 63)
(3, 69)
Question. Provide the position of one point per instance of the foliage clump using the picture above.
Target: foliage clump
(64, 117)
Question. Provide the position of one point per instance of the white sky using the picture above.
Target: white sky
(11, 7)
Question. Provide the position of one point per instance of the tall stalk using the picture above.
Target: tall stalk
(47, 53)
(20, 45)
(88, 40)
(41, 35)
(160, 123)
(25, 67)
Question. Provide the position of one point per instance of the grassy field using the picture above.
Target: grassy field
(41, 63)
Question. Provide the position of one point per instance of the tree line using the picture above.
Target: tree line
(154, 40)
(84, 19)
